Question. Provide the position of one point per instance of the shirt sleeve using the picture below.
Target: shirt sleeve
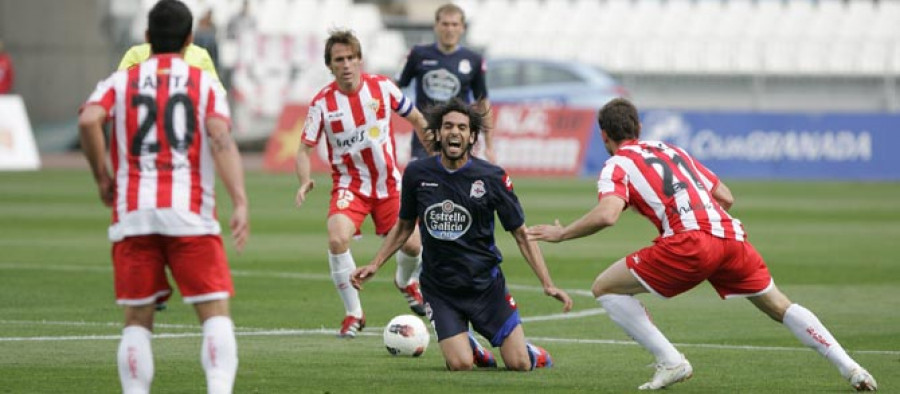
(408, 72)
(479, 82)
(399, 102)
(312, 129)
(103, 95)
(613, 181)
(408, 195)
(217, 105)
(507, 205)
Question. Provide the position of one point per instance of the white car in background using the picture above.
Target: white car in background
(519, 80)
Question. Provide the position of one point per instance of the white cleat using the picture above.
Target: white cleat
(862, 380)
(667, 376)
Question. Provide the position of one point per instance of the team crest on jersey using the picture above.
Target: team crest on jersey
(446, 220)
(465, 66)
(477, 190)
(374, 105)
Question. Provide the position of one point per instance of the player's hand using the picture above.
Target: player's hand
(302, 191)
(560, 295)
(545, 232)
(362, 274)
(106, 188)
(240, 227)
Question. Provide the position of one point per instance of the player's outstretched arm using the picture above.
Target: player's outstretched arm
(93, 145)
(723, 195)
(228, 165)
(392, 242)
(420, 125)
(605, 214)
(532, 254)
(302, 167)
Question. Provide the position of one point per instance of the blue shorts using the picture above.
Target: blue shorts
(493, 312)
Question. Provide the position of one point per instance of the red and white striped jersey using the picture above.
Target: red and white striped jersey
(359, 134)
(163, 168)
(665, 184)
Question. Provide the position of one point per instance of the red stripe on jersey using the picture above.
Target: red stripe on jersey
(131, 129)
(164, 154)
(331, 106)
(375, 91)
(369, 159)
(390, 182)
(359, 117)
(355, 179)
(655, 180)
(193, 91)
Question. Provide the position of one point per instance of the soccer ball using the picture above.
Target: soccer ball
(406, 335)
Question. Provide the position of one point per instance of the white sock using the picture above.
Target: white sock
(629, 314)
(407, 268)
(342, 265)
(811, 332)
(219, 354)
(135, 359)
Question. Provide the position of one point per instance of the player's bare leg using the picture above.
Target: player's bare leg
(812, 333)
(457, 353)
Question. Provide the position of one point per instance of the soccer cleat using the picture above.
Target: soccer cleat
(667, 376)
(351, 325)
(483, 358)
(862, 380)
(540, 356)
(413, 297)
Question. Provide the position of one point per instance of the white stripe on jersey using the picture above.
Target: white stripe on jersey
(140, 212)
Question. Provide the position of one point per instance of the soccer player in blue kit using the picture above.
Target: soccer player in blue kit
(445, 70)
(454, 197)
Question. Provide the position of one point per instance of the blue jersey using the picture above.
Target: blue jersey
(440, 77)
(455, 211)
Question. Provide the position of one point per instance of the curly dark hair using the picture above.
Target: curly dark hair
(435, 117)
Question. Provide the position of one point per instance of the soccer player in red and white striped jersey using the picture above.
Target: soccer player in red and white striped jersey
(169, 137)
(353, 115)
(698, 241)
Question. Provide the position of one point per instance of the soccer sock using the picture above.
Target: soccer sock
(629, 314)
(219, 354)
(342, 265)
(473, 343)
(811, 332)
(407, 266)
(135, 359)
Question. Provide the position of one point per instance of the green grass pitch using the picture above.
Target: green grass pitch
(831, 246)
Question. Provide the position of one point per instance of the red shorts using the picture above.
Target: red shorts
(384, 211)
(677, 263)
(198, 265)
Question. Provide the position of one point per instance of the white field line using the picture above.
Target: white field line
(246, 274)
(374, 331)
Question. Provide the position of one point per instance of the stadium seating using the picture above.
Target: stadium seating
(776, 37)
